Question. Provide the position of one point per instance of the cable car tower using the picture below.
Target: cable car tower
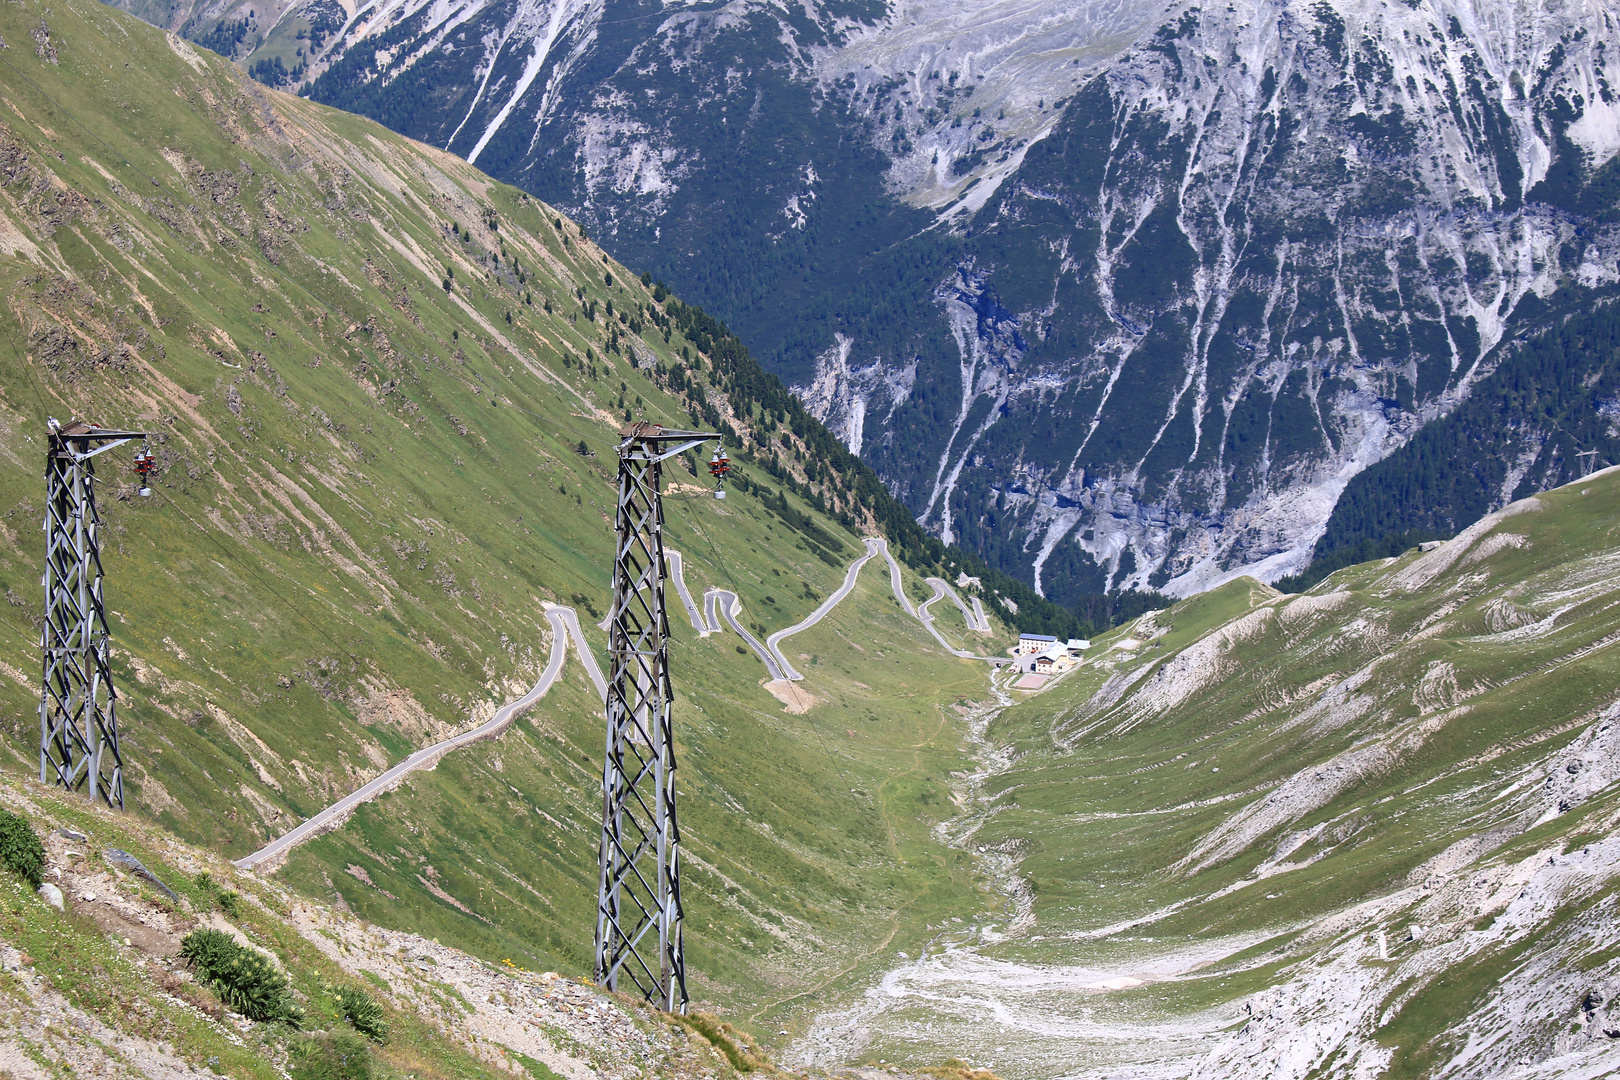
(78, 707)
(638, 910)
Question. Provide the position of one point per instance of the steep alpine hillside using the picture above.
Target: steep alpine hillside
(1115, 297)
(384, 393)
(98, 986)
(1547, 415)
(1370, 830)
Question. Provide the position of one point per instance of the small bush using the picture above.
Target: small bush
(208, 951)
(251, 985)
(957, 1069)
(246, 980)
(724, 1038)
(362, 1012)
(334, 1056)
(230, 902)
(20, 849)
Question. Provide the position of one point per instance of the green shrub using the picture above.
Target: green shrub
(246, 980)
(20, 849)
(333, 1056)
(362, 1012)
(230, 902)
(253, 986)
(208, 951)
(721, 1036)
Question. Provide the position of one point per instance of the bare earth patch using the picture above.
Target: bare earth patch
(798, 700)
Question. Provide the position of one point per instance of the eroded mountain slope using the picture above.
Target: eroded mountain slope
(1372, 829)
(1256, 254)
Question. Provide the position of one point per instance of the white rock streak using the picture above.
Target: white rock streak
(559, 16)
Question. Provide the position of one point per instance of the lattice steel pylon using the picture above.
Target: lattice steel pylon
(639, 895)
(78, 705)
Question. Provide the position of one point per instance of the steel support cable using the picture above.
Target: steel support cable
(288, 604)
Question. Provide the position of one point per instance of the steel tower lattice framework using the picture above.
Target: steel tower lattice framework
(638, 913)
(78, 706)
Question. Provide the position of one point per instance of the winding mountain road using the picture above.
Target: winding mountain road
(565, 625)
(975, 617)
(926, 617)
(677, 571)
(894, 578)
(729, 606)
(873, 546)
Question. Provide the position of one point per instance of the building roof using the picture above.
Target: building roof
(1036, 637)
(1079, 643)
(1055, 652)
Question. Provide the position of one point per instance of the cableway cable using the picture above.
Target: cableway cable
(257, 577)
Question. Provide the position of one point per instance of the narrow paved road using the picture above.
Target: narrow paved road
(562, 622)
(677, 571)
(565, 625)
(729, 607)
(555, 612)
(975, 618)
(894, 579)
(709, 613)
(926, 617)
(984, 620)
(873, 546)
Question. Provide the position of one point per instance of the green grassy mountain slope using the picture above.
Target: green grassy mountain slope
(97, 988)
(384, 390)
(1367, 830)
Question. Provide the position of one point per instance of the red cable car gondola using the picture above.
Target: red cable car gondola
(719, 465)
(145, 467)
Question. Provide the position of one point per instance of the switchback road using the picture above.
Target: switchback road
(975, 617)
(673, 558)
(730, 606)
(565, 625)
(873, 546)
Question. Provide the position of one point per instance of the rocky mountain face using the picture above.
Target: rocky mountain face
(1256, 254)
(1115, 296)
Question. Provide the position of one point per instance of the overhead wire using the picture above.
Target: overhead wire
(33, 381)
(68, 113)
(257, 577)
(158, 184)
(304, 289)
